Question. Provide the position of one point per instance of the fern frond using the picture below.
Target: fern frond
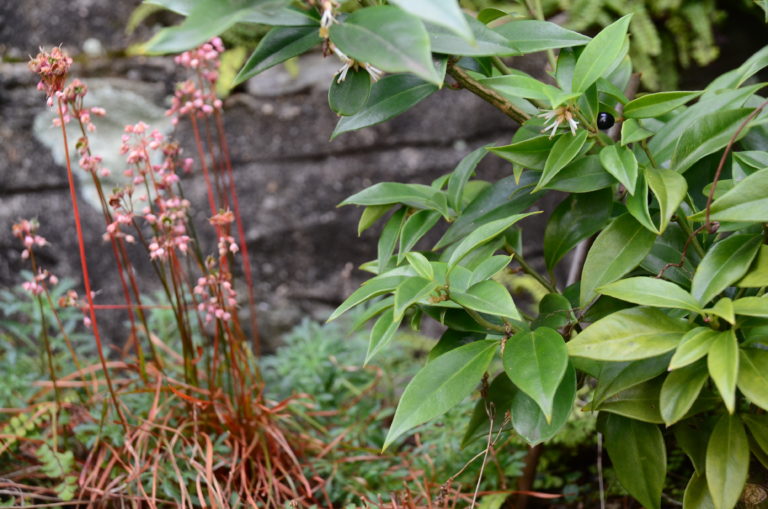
(584, 13)
(699, 15)
(666, 64)
(643, 64)
(644, 32)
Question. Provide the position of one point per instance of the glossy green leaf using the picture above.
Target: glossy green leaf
(440, 385)
(694, 345)
(638, 205)
(618, 249)
(649, 291)
(452, 339)
(578, 217)
(697, 494)
(382, 333)
(621, 163)
(554, 312)
(563, 151)
(639, 402)
(529, 36)
(371, 288)
(416, 226)
(753, 376)
(528, 419)
(390, 96)
(737, 77)
(374, 309)
(723, 265)
(691, 436)
(445, 13)
(483, 234)
(536, 361)
(388, 238)
(632, 132)
(461, 175)
(499, 400)
(421, 265)
(615, 377)
(490, 14)
(663, 144)
(530, 153)
(520, 85)
(370, 215)
(208, 18)
(723, 308)
(723, 365)
(656, 105)
(727, 461)
(747, 201)
(758, 428)
(680, 390)
(182, 7)
(489, 268)
(751, 306)
(629, 334)
(277, 46)
(758, 453)
(639, 457)
(584, 175)
(486, 43)
(752, 159)
(488, 297)
(670, 189)
(709, 134)
(501, 200)
(388, 38)
(387, 193)
(347, 97)
(600, 54)
(411, 291)
(757, 275)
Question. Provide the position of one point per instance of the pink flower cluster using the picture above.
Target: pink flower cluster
(89, 162)
(226, 242)
(26, 231)
(167, 215)
(188, 99)
(204, 59)
(137, 143)
(218, 298)
(37, 285)
(170, 226)
(52, 68)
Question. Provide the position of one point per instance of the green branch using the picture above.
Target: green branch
(488, 94)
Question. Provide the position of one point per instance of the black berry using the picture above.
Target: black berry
(605, 120)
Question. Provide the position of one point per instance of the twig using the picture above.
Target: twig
(485, 323)
(490, 412)
(486, 93)
(710, 227)
(528, 269)
(683, 254)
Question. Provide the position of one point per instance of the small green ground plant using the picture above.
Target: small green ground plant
(663, 223)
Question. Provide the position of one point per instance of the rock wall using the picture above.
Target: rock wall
(289, 177)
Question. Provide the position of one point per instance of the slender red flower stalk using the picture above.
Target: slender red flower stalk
(241, 233)
(84, 266)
